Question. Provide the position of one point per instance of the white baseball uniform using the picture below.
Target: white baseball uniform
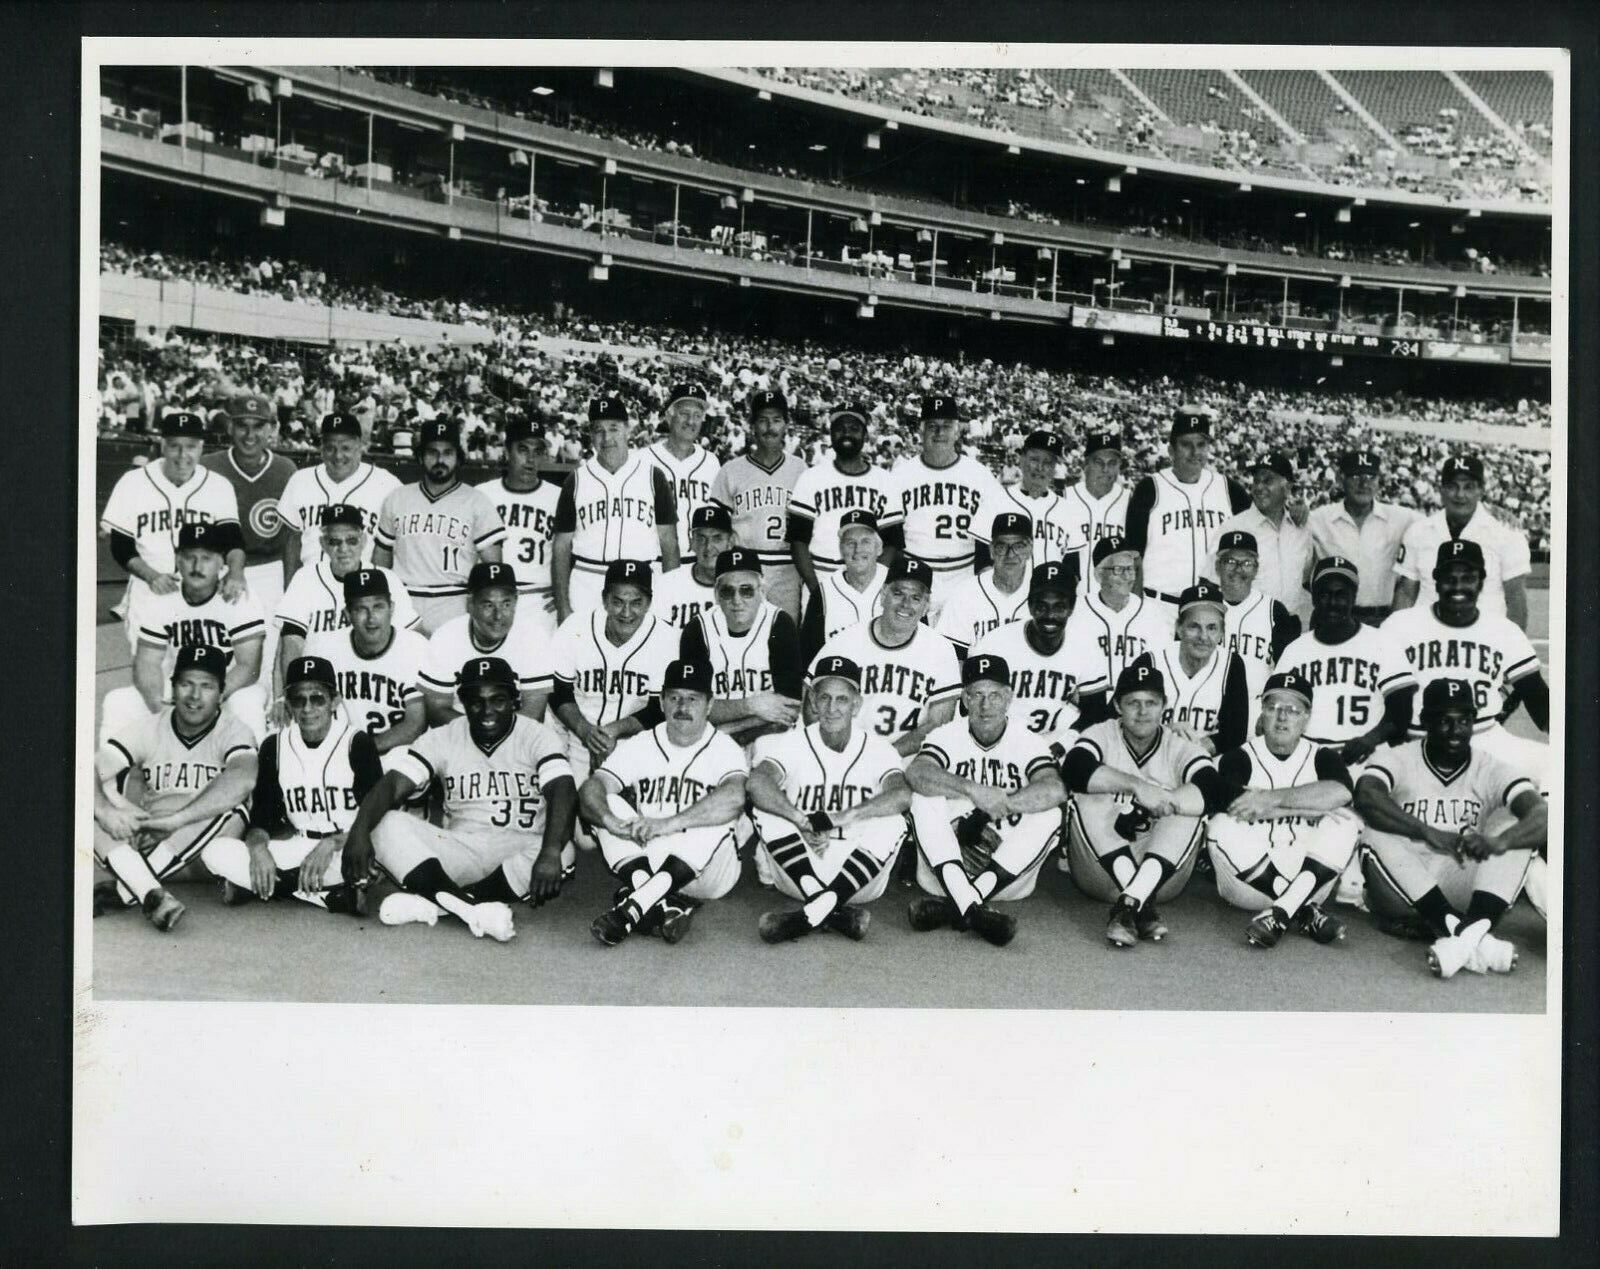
(436, 539)
(678, 597)
(1054, 534)
(941, 506)
(1047, 688)
(1350, 681)
(823, 494)
(313, 602)
(1505, 556)
(608, 682)
(758, 500)
(1121, 637)
(311, 489)
(844, 606)
(976, 606)
(898, 681)
(1091, 519)
(526, 649)
(612, 516)
(376, 689)
(1175, 526)
(530, 520)
(691, 480)
(1214, 700)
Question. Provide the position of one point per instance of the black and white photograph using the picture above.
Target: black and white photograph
(1015, 544)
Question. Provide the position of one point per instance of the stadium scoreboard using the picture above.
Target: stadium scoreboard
(1287, 338)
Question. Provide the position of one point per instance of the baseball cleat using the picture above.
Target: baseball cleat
(235, 896)
(1493, 956)
(404, 908)
(492, 918)
(162, 909)
(1265, 928)
(1122, 928)
(1317, 925)
(1449, 955)
(992, 925)
(348, 900)
(850, 922)
(930, 912)
(1150, 925)
(106, 898)
(615, 924)
(675, 916)
(783, 927)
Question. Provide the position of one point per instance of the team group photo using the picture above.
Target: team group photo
(584, 535)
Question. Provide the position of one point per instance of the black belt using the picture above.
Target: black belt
(1162, 596)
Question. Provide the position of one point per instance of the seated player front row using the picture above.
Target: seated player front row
(986, 801)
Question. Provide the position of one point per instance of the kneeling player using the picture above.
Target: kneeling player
(509, 803)
(310, 780)
(166, 785)
(1134, 828)
(663, 805)
(985, 810)
(830, 802)
(1426, 854)
(1284, 839)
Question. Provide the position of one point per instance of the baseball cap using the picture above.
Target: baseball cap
(183, 423)
(1443, 692)
(908, 568)
(836, 668)
(1276, 462)
(1462, 467)
(1012, 524)
(686, 392)
(359, 583)
(485, 574)
(483, 671)
(694, 675)
(850, 410)
(736, 559)
(711, 517)
(202, 656)
(1289, 681)
(939, 406)
(1053, 576)
(340, 423)
(984, 667)
(1204, 591)
(1139, 677)
(1460, 551)
(1358, 460)
(199, 536)
(311, 670)
(857, 518)
(1111, 544)
(629, 573)
(1094, 442)
(1045, 440)
(768, 399)
(520, 429)
(607, 408)
(342, 513)
(1335, 566)
(1189, 423)
(250, 406)
(435, 430)
(1238, 540)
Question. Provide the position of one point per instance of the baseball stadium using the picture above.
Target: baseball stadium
(1321, 276)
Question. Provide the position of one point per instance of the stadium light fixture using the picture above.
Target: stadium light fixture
(542, 90)
(1299, 215)
(818, 148)
(1415, 224)
(1081, 181)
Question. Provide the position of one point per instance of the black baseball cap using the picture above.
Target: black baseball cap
(1094, 442)
(360, 583)
(1238, 540)
(486, 671)
(1056, 575)
(939, 406)
(520, 428)
(736, 559)
(850, 410)
(857, 518)
(836, 668)
(183, 423)
(1189, 423)
(342, 513)
(1012, 524)
(1045, 440)
(694, 675)
(686, 392)
(1289, 681)
(1459, 551)
(768, 399)
(1353, 461)
(202, 656)
(1205, 591)
(1443, 692)
(1335, 566)
(485, 574)
(908, 568)
(1276, 462)
(311, 670)
(200, 536)
(1462, 466)
(985, 667)
(1141, 676)
(629, 573)
(441, 430)
(340, 423)
(711, 517)
(607, 408)
(1111, 544)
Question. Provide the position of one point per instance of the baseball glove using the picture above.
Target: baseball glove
(977, 836)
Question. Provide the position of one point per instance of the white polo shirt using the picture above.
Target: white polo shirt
(1285, 554)
(1505, 556)
(1372, 546)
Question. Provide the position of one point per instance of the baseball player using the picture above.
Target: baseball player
(756, 488)
(617, 505)
(1113, 616)
(690, 589)
(1098, 502)
(1055, 684)
(258, 477)
(753, 649)
(1134, 826)
(342, 478)
(310, 779)
(999, 594)
(830, 801)
(195, 613)
(166, 785)
(1452, 638)
(985, 809)
(1284, 551)
(1504, 549)
(1255, 625)
(527, 507)
(376, 667)
(663, 805)
(942, 492)
(1175, 514)
(689, 466)
(1285, 838)
(1427, 855)
(1364, 531)
(494, 625)
(1048, 513)
(509, 803)
(1208, 691)
(910, 676)
(148, 506)
(826, 493)
(435, 531)
(849, 596)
